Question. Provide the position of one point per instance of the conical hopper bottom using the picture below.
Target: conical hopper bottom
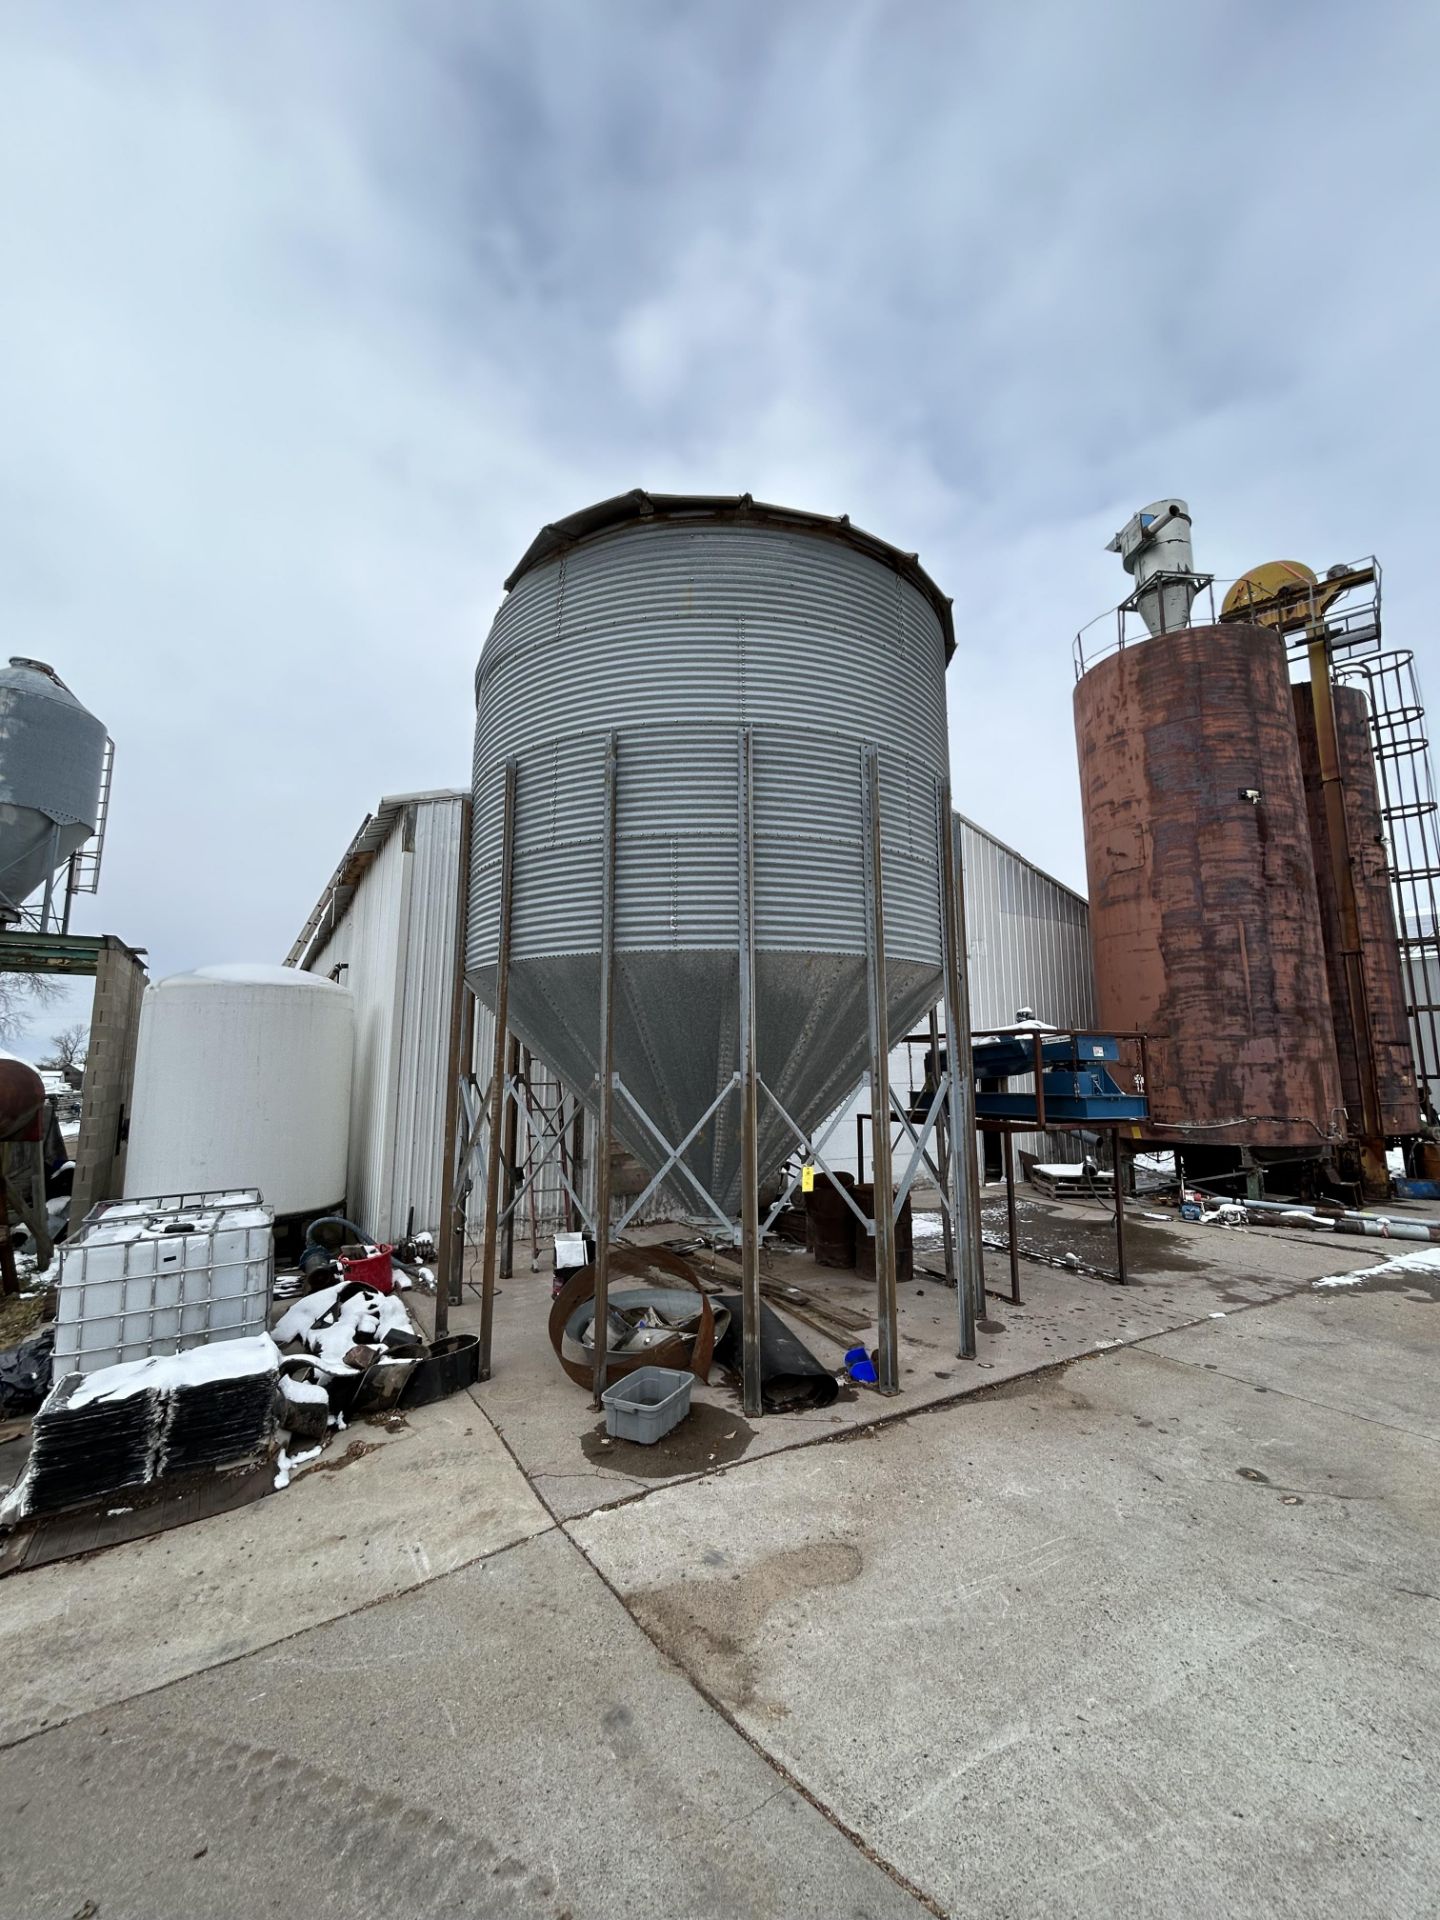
(677, 1020)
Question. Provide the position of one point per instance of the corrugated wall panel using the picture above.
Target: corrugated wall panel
(367, 944)
(428, 970)
(396, 942)
(1029, 938)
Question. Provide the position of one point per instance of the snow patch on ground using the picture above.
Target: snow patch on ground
(1423, 1260)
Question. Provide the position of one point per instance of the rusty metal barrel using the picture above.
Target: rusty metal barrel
(1204, 918)
(904, 1238)
(1387, 1013)
(830, 1224)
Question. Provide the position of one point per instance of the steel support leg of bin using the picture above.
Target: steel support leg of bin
(509, 1147)
(497, 1074)
(883, 1204)
(964, 1183)
(451, 1251)
(1118, 1159)
(749, 1094)
(1012, 1235)
(604, 1136)
(942, 1153)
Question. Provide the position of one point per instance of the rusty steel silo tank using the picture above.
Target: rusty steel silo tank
(1385, 998)
(677, 622)
(1204, 918)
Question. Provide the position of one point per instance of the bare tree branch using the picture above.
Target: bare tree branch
(68, 1047)
(20, 995)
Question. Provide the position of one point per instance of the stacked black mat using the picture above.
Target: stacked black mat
(126, 1439)
(218, 1423)
(80, 1454)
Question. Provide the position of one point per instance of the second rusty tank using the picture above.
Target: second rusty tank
(1386, 1015)
(1204, 918)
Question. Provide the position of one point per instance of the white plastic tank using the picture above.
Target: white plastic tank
(242, 1079)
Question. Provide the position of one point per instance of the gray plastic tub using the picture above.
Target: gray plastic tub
(646, 1404)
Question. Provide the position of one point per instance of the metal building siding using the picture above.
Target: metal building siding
(1028, 945)
(396, 939)
(1028, 938)
(427, 968)
(367, 943)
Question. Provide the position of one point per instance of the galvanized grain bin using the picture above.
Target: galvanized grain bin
(52, 753)
(678, 621)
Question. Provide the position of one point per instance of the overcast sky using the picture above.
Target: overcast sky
(313, 314)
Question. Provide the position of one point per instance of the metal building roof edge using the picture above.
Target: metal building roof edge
(623, 509)
(1015, 854)
(374, 830)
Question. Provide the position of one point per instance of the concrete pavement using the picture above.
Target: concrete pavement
(504, 1742)
(1149, 1631)
(1134, 1636)
(363, 1524)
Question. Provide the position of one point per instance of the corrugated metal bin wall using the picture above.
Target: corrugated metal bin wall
(1028, 938)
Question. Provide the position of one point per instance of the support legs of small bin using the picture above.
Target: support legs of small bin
(497, 1077)
(605, 1137)
(1117, 1158)
(9, 1277)
(749, 1095)
(942, 1154)
(882, 1188)
(1013, 1236)
(509, 1146)
(960, 1094)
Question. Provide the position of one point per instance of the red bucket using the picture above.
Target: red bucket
(372, 1270)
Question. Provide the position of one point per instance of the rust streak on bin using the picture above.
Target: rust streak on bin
(1203, 911)
(1379, 943)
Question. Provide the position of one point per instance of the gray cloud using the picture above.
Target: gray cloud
(315, 314)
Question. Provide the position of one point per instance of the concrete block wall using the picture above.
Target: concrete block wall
(120, 981)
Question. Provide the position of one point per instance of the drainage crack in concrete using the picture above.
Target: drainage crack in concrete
(1284, 1393)
(789, 1780)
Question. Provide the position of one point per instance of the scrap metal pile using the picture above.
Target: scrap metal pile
(693, 1324)
(352, 1347)
(164, 1372)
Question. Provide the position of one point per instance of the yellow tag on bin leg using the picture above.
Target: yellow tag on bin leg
(807, 1179)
